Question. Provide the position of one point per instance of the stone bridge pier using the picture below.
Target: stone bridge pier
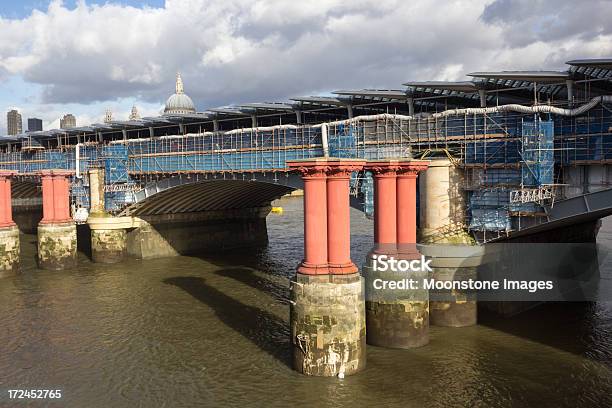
(57, 237)
(395, 318)
(327, 309)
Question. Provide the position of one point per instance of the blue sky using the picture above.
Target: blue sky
(22, 8)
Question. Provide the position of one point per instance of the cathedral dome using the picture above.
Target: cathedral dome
(179, 102)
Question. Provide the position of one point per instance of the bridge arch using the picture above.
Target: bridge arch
(193, 194)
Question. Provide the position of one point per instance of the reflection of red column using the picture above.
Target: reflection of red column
(338, 215)
(406, 204)
(6, 208)
(56, 196)
(315, 216)
(385, 204)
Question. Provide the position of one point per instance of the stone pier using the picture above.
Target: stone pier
(57, 242)
(108, 233)
(445, 238)
(9, 233)
(109, 238)
(395, 318)
(327, 308)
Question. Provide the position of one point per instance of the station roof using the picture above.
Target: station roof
(503, 86)
(461, 86)
(319, 101)
(604, 63)
(388, 94)
(527, 76)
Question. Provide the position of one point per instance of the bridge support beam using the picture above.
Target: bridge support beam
(327, 309)
(9, 233)
(395, 318)
(57, 242)
(443, 225)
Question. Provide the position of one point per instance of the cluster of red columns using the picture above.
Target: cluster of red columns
(395, 205)
(55, 192)
(327, 227)
(326, 210)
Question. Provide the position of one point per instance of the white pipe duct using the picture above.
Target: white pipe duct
(324, 140)
(77, 159)
(493, 109)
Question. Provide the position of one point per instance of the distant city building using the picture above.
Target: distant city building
(34, 125)
(13, 122)
(179, 102)
(134, 115)
(108, 116)
(68, 121)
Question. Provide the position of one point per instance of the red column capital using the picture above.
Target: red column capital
(411, 168)
(7, 173)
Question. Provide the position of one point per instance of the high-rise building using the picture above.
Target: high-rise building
(13, 122)
(34, 125)
(68, 121)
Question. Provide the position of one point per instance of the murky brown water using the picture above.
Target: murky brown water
(213, 331)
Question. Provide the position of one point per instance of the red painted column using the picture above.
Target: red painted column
(6, 208)
(385, 204)
(61, 197)
(315, 216)
(56, 196)
(338, 215)
(406, 205)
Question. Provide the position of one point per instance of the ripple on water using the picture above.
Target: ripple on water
(213, 331)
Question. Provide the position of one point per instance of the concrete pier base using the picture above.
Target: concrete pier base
(9, 248)
(453, 308)
(328, 328)
(459, 309)
(108, 246)
(57, 245)
(396, 318)
(109, 237)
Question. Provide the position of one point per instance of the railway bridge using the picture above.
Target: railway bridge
(509, 155)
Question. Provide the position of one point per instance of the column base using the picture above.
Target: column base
(9, 248)
(343, 269)
(57, 245)
(108, 246)
(306, 268)
(328, 331)
(396, 318)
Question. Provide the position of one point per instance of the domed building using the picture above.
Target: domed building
(179, 102)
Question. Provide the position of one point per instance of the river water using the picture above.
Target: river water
(213, 331)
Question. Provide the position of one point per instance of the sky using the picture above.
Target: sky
(85, 56)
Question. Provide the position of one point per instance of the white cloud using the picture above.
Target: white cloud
(242, 51)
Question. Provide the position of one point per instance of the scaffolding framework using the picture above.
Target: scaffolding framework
(511, 161)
